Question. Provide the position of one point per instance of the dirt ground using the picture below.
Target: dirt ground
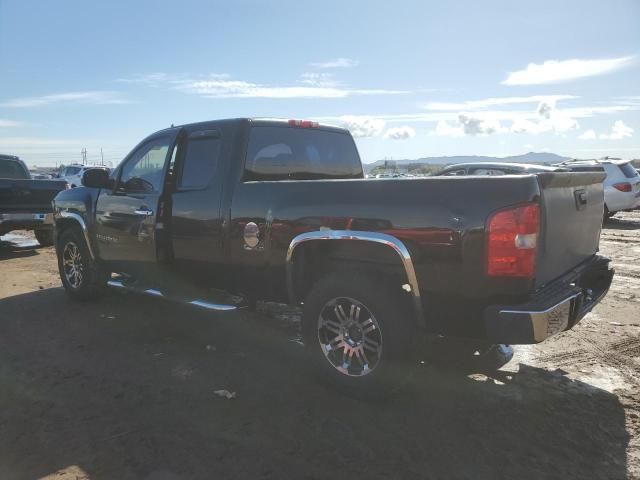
(124, 389)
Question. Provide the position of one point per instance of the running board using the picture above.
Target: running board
(208, 305)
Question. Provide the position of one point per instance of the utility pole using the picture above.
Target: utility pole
(102, 157)
(84, 156)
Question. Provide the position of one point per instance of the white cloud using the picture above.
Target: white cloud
(10, 123)
(618, 131)
(151, 79)
(587, 135)
(94, 97)
(479, 126)
(336, 63)
(362, 126)
(218, 86)
(400, 133)
(498, 101)
(319, 79)
(445, 129)
(548, 119)
(468, 125)
(555, 71)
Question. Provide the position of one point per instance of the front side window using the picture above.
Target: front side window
(200, 162)
(276, 153)
(144, 171)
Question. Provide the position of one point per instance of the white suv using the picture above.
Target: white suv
(73, 173)
(621, 187)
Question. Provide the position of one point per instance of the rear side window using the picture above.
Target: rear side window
(587, 168)
(72, 170)
(200, 162)
(628, 170)
(486, 171)
(11, 169)
(454, 173)
(278, 153)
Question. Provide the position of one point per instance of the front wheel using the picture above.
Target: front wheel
(358, 332)
(81, 276)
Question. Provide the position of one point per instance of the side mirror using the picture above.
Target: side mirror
(97, 178)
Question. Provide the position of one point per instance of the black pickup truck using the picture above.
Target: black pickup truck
(25, 203)
(221, 213)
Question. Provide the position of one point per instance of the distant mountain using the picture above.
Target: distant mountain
(531, 157)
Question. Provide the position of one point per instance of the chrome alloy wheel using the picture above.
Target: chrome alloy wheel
(72, 264)
(349, 336)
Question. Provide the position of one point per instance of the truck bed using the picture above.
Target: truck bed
(28, 196)
(442, 221)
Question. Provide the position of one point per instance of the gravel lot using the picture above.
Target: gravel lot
(124, 389)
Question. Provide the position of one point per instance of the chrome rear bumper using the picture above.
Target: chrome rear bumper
(554, 309)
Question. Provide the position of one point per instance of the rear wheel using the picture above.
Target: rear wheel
(358, 333)
(81, 276)
(44, 237)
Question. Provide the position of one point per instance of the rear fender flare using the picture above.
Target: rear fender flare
(362, 236)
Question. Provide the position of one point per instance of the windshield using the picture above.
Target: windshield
(12, 169)
(72, 170)
(294, 153)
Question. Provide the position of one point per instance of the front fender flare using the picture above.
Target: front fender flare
(77, 218)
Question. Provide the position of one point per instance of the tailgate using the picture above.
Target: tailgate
(28, 195)
(572, 207)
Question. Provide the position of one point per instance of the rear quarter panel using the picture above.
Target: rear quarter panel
(440, 219)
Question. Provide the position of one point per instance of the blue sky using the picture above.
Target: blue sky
(409, 78)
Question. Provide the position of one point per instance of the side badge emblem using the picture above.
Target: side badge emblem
(251, 235)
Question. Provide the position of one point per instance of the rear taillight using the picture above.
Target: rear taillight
(513, 241)
(67, 186)
(623, 187)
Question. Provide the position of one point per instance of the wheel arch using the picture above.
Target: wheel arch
(65, 219)
(380, 249)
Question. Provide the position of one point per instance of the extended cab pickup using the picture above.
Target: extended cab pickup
(219, 214)
(25, 203)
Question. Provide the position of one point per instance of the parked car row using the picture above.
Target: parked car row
(72, 174)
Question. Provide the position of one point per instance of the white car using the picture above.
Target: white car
(621, 187)
(73, 173)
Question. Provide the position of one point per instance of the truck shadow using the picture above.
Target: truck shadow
(13, 250)
(124, 388)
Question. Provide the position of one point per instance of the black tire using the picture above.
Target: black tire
(607, 214)
(91, 279)
(386, 367)
(44, 237)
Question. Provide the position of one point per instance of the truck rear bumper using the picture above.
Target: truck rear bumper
(25, 221)
(553, 309)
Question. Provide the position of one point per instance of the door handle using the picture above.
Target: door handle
(144, 212)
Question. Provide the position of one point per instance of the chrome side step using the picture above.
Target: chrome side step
(219, 307)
